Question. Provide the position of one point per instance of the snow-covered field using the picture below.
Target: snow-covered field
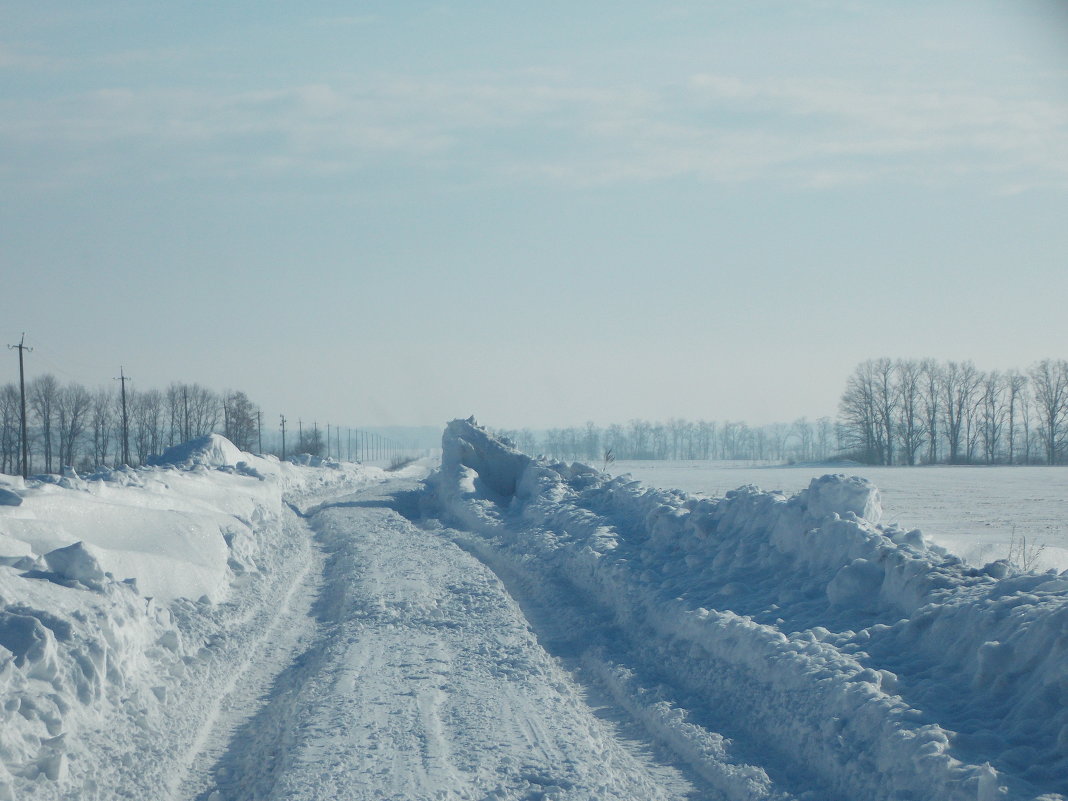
(973, 511)
(230, 628)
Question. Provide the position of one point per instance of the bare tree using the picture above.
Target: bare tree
(804, 437)
(705, 439)
(885, 406)
(204, 411)
(959, 386)
(615, 439)
(239, 414)
(1049, 380)
(993, 413)
(527, 442)
(591, 442)
(640, 432)
(859, 415)
(910, 409)
(43, 395)
(72, 412)
(931, 389)
(658, 440)
(1016, 385)
(824, 438)
(148, 420)
(101, 422)
(10, 413)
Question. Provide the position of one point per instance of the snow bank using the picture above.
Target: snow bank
(880, 665)
(212, 450)
(117, 598)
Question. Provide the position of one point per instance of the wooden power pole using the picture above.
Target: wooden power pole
(22, 347)
(123, 378)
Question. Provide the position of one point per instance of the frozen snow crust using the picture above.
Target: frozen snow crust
(127, 600)
(855, 661)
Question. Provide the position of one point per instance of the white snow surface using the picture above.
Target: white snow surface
(128, 601)
(977, 512)
(226, 627)
(841, 658)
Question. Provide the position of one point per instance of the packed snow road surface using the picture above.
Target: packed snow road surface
(424, 681)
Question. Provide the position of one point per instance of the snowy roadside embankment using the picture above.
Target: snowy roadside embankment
(128, 600)
(858, 660)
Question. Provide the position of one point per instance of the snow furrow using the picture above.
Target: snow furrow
(269, 635)
(574, 629)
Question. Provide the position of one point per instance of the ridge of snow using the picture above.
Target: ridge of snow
(118, 606)
(880, 664)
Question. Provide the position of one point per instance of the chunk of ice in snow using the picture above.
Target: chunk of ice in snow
(832, 494)
(78, 562)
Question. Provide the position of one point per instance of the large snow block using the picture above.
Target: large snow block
(31, 643)
(467, 444)
(838, 494)
(9, 498)
(78, 562)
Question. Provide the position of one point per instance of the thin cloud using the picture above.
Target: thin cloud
(532, 127)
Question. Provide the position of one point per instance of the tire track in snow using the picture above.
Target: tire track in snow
(425, 682)
(589, 643)
(281, 624)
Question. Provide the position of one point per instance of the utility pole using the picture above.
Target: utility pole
(22, 393)
(300, 435)
(328, 442)
(259, 431)
(283, 436)
(125, 420)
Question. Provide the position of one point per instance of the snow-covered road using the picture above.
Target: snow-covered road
(424, 681)
(507, 628)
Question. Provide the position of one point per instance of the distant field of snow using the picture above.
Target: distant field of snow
(972, 511)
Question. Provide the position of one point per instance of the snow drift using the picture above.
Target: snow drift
(856, 656)
(125, 599)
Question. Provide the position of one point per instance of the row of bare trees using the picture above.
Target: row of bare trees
(70, 425)
(800, 441)
(908, 411)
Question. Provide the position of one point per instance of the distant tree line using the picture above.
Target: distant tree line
(927, 412)
(70, 425)
(800, 441)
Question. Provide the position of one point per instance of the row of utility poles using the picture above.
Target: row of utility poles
(361, 444)
(22, 347)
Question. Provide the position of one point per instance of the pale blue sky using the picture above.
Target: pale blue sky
(537, 213)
